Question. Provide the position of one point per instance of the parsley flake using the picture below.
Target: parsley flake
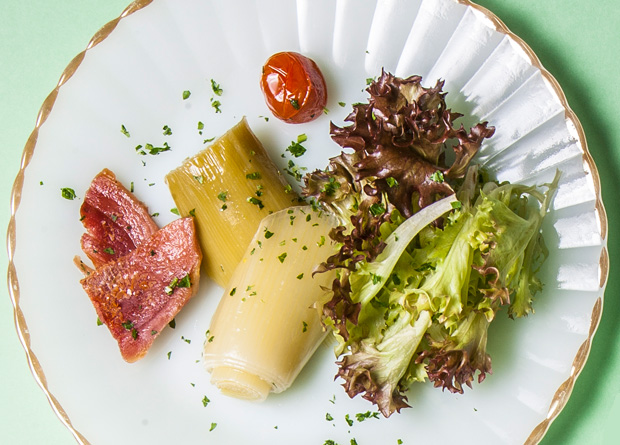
(255, 201)
(391, 182)
(253, 175)
(68, 193)
(186, 94)
(217, 90)
(216, 104)
(296, 149)
(437, 177)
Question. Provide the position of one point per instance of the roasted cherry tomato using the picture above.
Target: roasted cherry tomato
(294, 87)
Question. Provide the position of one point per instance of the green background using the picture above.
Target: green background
(577, 41)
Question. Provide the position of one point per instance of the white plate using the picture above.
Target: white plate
(134, 72)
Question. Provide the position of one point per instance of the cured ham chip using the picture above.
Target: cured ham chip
(137, 295)
(115, 220)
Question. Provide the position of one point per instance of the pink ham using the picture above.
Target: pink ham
(139, 293)
(116, 222)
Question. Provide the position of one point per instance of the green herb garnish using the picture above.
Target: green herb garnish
(68, 193)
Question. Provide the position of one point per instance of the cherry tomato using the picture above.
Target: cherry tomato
(294, 87)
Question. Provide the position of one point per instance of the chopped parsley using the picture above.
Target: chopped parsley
(268, 234)
(201, 126)
(124, 131)
(169, 354)
(255, 201)
(99, 322)
(331, 186)
(68, 193)
(456, 204)
(216, 104)
(391, 182)
(367, 415)
(128, 325)
(205, 401)
(300, 276)
(183, 282)
(294, 170)
(151, 149)
(296, 149)
(233, 291)
(217, 90)
(253, 175)
(328, 417)
(377, 209)
(222, 196)
(167, 130)
(348, 420)
(342, 104)
(175, 211)
(109, 250)
(186, 94)
(304, 329)
(437, 177)
(200, 179)
(173, 323)
(294, 104)
(282, 257)
(213, 425)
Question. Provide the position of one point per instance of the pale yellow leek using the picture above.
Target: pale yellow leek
(267, 326)
(229, 188)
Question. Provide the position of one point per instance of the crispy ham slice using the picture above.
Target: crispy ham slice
(116, 221)
(139, 293)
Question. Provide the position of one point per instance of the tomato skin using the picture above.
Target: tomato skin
(293, 87)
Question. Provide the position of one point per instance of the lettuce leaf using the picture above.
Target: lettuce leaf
(430, 247)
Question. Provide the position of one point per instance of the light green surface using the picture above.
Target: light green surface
(577, 41)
